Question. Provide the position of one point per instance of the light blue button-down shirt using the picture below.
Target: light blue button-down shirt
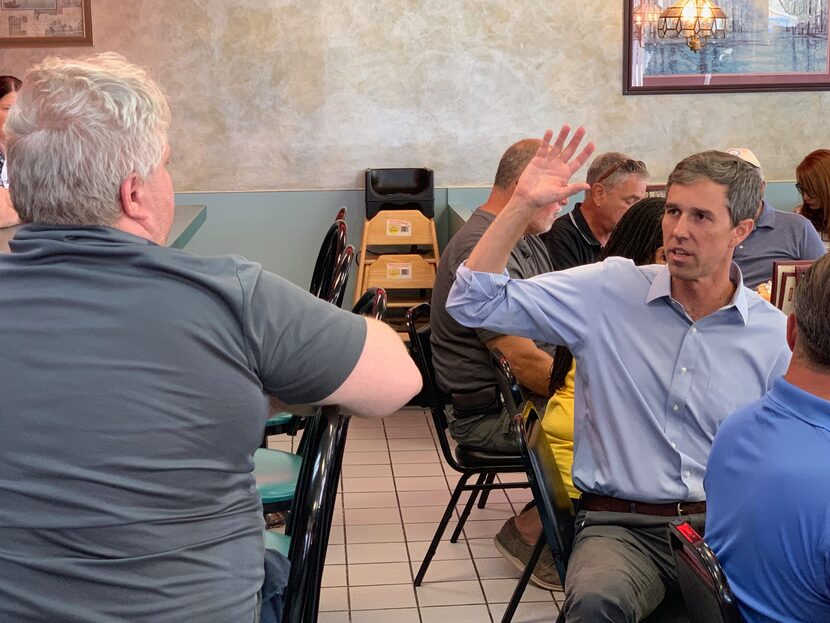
(652, 386)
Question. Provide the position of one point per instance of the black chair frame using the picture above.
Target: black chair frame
(312, 512)
(466, 461)
(372, 303)
(555, 507)
(702, 581)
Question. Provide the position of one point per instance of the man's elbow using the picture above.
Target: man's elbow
(391, 397)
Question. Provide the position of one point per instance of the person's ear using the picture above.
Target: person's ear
(660, 255)
(130, 193)
(741, 231)
(792, 331)
(598, 193)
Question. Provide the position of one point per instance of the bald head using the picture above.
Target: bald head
(514, 161)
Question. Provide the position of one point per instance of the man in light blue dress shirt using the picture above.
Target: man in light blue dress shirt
(664, 354)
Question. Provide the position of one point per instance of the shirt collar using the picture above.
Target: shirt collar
(803, 405)
(767, 218)
(582, 226)
(661, 288)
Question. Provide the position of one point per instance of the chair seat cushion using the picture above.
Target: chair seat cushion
(276, 473)
(475, 457)
(277, 542)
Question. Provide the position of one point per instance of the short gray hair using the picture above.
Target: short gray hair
(812, 314)
(610, 170)
(744, 189)
(78, 130)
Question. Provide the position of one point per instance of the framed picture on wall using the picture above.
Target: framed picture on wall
(701, 46)
(45, 23)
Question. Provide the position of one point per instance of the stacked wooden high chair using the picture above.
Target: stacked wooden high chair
(399, 249)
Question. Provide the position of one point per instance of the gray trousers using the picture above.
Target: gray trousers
(493, 432)
(621, 568)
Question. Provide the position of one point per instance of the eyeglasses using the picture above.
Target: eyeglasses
(801, 190)
(632, 166)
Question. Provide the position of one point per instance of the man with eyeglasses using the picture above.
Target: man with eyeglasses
(616, 183)
(776, 236)
(663, 353)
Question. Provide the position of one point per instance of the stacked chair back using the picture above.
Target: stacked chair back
(705, 589)
(312, 512)
(468, 462)
(400, 189)
(372, 303)
(332, 248)
(337, 290)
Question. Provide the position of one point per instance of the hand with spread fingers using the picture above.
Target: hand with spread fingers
(545, 180)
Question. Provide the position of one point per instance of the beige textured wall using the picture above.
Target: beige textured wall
(279, 94)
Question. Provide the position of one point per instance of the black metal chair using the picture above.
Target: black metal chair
(371, 303)
(702, 581)
(327, 258)
(311, 514)
(468, 462)
(555, 507)
(337, 290)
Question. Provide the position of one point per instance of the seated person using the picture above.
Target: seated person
(812, 180)
(9, 86)
(776, 236)
(664, 354)
(616, 183)
(768, 478)
(135, 377)
(463, 365)
(639, 237)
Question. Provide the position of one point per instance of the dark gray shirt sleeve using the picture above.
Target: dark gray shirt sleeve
(301, 348)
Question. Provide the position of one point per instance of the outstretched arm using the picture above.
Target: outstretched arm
(545, 181)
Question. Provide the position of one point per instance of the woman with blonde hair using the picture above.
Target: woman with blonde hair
(812, 178)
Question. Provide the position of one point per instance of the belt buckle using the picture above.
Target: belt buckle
(679, 509)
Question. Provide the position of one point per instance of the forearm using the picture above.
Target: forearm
(529, 363)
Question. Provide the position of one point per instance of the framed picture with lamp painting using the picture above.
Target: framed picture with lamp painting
(703, 46)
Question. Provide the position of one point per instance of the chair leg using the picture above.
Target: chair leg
(467, 508)
(482, 501)
(442, 525)
(520, 587)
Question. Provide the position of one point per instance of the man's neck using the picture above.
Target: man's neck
(496, 201)
(599, 226)
(701, 297)
(808, 378)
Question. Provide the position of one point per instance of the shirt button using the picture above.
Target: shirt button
(740, 246)
(673, 445)
(675, 408)
(694, 330)
(682, 370)
(688, 474)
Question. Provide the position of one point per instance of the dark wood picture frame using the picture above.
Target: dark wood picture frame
(17, 19)
(637, 82)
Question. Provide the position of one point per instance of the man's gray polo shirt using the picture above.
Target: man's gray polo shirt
(777, 236)
(133, 380)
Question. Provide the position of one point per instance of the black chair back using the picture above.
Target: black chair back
(705, 589)
(332, 248)
(421, 349)
(341, 276)
(511, 390)
(372, 303)
(312, 512)
(552, 500)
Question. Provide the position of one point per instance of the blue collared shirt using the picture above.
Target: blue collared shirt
(768, 520)
(652, 386)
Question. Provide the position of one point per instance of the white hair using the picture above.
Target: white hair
(78, 130)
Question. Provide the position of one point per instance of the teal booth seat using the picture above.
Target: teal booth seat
(276, 473)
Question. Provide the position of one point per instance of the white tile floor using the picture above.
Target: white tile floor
(394, 489)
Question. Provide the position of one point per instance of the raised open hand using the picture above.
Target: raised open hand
(545, 179)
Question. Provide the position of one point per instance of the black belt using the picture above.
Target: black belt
(486, 401)
(591, 502)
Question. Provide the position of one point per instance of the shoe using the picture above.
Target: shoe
(511, 545)
(274, 520)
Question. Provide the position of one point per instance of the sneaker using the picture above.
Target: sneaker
(511, 545)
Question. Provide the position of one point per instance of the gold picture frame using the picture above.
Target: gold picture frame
(45, 23)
